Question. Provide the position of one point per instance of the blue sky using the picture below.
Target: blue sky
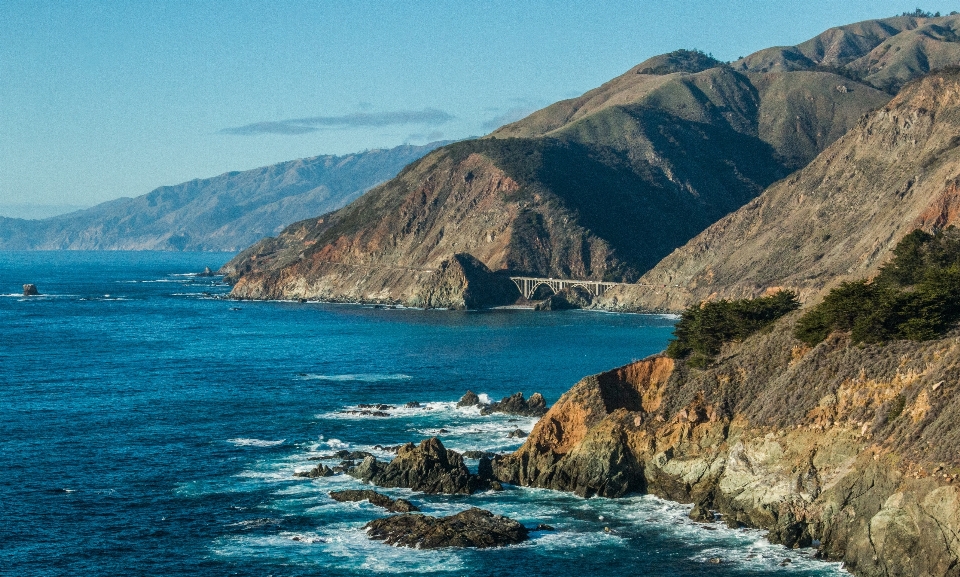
(109, 99)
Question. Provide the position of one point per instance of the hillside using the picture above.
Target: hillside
(224, 213)
(844, 447)
(836, 219)
(602, 186)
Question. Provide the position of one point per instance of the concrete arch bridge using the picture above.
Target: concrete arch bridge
(528, 285)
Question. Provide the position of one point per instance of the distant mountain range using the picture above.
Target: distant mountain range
(606, 185)
(224, 213)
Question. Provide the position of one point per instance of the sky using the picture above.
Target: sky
(100, 100)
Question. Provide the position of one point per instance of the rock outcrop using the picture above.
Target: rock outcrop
(30, 290)
(515, 404)
(463, 282)
(569, 298)
(320, 470)
(378, 499)
(430, 468)
(469, 399)
(851, 446)
(471, 528)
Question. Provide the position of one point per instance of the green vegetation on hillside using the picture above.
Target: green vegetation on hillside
(680, 61)
(703, 329)
(916, 296)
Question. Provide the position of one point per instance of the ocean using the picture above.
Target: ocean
(150, 427)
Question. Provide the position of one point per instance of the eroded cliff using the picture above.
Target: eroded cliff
(851, 448)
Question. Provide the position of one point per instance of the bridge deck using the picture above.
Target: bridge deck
(528, 285)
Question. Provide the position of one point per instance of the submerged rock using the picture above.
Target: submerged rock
(30, 290)
(471, 528)
(378, 499)
(516, 405)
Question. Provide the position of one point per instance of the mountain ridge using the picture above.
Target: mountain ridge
(223, 213)
(648, 161)
(834, 220)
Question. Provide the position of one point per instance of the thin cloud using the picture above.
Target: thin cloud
(430, 136)
(425, 117)
(511, 115)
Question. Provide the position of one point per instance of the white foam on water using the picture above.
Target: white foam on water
(747, 548)
(352, 412)
(357, 377)
(339, 546)
(338, 445)
(241, 442)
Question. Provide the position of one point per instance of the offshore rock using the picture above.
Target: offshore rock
(378, 499)
(471, 528)
(515, 404)
(30, 290)
(430, 468)
(320, 470)
(469, 399)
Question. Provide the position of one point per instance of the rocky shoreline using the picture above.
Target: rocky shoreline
(842, 460)
(831, 447)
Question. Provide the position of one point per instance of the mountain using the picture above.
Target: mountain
(606, 185)
(224, 213)
(885, 53)
(837, 219)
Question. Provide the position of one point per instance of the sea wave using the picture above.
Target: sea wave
(357, 377)
(242, 442)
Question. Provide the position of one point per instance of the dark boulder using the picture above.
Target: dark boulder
(701, 513)
(30, 290)
(378, 499)
(471, 528)
(470, 399)
(516, 405)
(517, 434)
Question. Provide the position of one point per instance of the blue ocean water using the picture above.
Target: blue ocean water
(149, 428)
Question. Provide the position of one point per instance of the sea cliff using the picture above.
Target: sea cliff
(848, 448)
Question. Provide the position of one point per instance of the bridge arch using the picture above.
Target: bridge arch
(544, 283)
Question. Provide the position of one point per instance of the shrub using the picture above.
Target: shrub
(703, 329)
(915, 296)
